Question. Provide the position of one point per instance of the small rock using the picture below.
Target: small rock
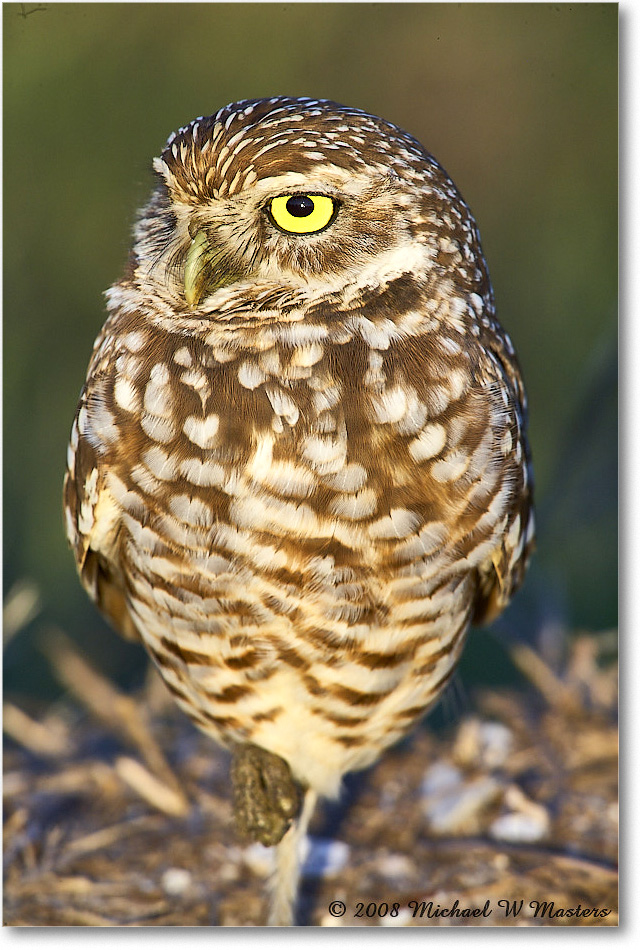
(176, 881)
(323, 857)
(516, 827)
(483, 744)
(457, 811)
(402, 919)
(527, 820)
(439, 778)
(329, 921)
(395, 867)
(259, 859)
(501, 862)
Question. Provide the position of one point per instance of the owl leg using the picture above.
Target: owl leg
(266, 797)
(284, 885)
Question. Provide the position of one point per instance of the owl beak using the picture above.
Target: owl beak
(196, 268)
(207, 268)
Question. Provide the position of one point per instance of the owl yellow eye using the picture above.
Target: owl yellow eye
(302, 214)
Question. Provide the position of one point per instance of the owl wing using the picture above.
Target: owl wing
(502, 575)
(92, 517)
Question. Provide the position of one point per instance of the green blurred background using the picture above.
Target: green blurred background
(517, 101)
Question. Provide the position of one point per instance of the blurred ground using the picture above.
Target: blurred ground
(117, 813)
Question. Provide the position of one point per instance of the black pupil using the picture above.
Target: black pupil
(299, 206)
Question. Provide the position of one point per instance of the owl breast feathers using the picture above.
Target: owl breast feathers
(299, 467)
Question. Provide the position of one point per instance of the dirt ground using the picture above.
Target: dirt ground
(118, 813)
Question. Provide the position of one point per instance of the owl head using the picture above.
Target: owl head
(298, 196)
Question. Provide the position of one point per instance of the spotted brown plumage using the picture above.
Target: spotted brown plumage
(299, 467)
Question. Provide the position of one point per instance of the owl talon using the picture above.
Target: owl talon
(266, 797)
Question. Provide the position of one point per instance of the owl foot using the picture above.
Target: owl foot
(266, 797)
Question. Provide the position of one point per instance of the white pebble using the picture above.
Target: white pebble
(454, 811)
(526, 821)
(329, 921)
(259, 859)
(440, 777)
(496, 744)
(402, 919)
(395, 867)
(176, 881)
(323, 857)
(486, 744)
(519, 827)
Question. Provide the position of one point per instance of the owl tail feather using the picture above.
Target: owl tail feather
(284, 884)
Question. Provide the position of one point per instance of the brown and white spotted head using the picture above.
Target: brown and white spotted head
(304, 197)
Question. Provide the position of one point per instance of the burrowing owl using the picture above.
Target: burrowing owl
(299, 468)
